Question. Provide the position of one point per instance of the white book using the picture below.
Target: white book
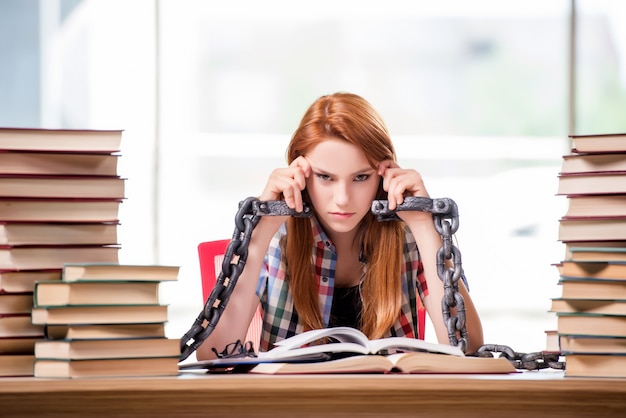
(351, 340)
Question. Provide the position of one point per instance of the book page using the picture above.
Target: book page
(355, 364)
(412, 344)
(305, 352)
(439, 363)
(342, 334)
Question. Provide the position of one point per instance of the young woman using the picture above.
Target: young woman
(341, 267)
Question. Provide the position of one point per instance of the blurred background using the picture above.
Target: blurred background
(479, 97)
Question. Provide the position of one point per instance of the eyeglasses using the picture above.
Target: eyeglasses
(236, 349)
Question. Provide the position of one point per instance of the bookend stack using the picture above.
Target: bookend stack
(59, 198)
(104, 320)
(591, 311)
(60, 194)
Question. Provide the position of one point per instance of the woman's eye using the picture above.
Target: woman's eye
(324, 177)
(361, 177)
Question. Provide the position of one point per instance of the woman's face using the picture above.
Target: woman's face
(341, 186)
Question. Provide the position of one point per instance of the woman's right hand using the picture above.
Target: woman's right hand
(288, 182)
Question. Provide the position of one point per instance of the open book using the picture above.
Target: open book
(349, 351)
(349, 340)
(408, 362)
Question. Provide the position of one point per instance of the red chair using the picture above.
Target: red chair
(421, 319)
(211, 255)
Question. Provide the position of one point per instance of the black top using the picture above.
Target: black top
(346, 308)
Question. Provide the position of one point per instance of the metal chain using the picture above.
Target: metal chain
(527, 361)
(446, 219)
(248, 216)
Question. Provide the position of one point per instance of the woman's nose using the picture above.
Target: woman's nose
(342, 194)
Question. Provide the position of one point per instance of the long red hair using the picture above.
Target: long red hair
(350, 118)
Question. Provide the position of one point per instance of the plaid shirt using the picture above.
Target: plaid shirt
(280, 320)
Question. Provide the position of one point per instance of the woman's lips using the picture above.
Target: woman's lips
(342, 215)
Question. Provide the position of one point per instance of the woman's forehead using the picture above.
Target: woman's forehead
(337, 156)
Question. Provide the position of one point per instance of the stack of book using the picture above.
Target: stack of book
(591, 311)
(104, 320)
(59, 198)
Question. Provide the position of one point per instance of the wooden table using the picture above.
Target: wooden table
(525, 394)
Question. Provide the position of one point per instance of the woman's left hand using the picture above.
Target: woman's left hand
(399, 183)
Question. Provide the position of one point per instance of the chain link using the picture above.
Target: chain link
(527, 361)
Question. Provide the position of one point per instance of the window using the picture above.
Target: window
(600, 67)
